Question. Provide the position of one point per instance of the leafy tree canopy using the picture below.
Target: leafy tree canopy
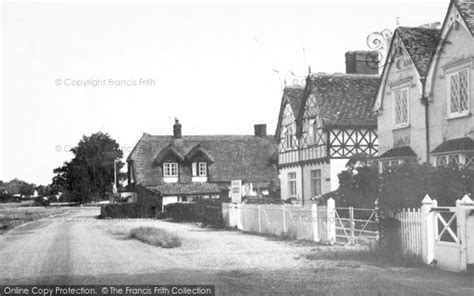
(90, 174)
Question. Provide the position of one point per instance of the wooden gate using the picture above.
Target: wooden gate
(356, 225)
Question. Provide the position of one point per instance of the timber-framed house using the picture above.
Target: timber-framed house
(324, 124)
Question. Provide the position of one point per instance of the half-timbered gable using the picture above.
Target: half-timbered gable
(334, 120)
(337, 119)
(286, 134)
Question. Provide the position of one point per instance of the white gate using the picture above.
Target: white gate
(448, 234)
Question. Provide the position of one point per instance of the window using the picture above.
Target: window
(170, 169)
(315, 183)
(292, 184)
(469, 161)
(453, 159)
(458, 92)
(441, 160)
(199, 169)
(401, 107)
(289, 138)
(202, 169)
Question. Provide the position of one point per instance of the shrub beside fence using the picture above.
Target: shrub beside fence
(206, 211)
(129, 210)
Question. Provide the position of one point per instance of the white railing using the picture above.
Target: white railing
(309, 222)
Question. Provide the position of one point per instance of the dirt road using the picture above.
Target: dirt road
(78, 248)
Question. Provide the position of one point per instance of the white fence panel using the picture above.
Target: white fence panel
(410, 231)
(308, 222)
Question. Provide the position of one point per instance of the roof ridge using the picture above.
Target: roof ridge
(351, 75)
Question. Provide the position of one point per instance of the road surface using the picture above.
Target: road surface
(78, 248)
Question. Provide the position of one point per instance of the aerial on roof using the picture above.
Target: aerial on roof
(233, 157)
(294, 96)
(343, 99)
(466, 8)
(421, 45)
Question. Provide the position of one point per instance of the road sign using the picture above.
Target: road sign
(236, 191)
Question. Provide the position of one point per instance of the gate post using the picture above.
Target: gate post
(351, 225)
(427, 229)
(331, 220)
(461, 231)
(315, 222)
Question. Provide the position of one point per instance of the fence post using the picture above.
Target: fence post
(259, 219)
(331, 220)
(427, 229)
(461, 231)
(351, 225)
(238, 216)
(283, 210)
(315, 222)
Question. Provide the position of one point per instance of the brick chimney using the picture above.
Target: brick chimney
(177, 129)
(260, 130)
(362, 62)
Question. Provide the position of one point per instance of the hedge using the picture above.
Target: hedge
(129, 210)
(206, 211)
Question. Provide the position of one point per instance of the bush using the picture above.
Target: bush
(402, 186)
(156, 237)
(206, 211)
(129, 210)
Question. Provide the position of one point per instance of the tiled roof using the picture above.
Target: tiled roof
(404, 151)
(461, 144)
(294, 96)
(185, 189)
(344, 99)
(235, 157)
(421, 44)
(466, 8)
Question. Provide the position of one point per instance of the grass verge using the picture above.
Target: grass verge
(156, 237)
(12, 215)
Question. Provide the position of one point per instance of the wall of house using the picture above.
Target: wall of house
(325, 178)
(337, 166)
(457, 53)
(283, 174)
(402, 72)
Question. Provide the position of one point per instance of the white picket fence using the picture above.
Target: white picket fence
(296, 222)
(410, 231)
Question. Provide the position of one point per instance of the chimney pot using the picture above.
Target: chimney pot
(362, 62)
(260, 130)
(177, 129)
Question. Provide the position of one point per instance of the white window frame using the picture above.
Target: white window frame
(400, 91)
(316, 179)
(292, 184)
(455, 114)
(202, 169)
(170, 169)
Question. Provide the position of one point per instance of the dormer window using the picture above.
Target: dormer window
(170, 169)
(199, 169)
(202, 169)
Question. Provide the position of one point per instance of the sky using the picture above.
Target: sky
(73, 68)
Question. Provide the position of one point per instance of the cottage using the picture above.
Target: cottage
(323, 124)
(423, 102)
(181, 168)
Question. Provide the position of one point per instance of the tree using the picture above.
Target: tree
(358, 184)
(90, 174)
